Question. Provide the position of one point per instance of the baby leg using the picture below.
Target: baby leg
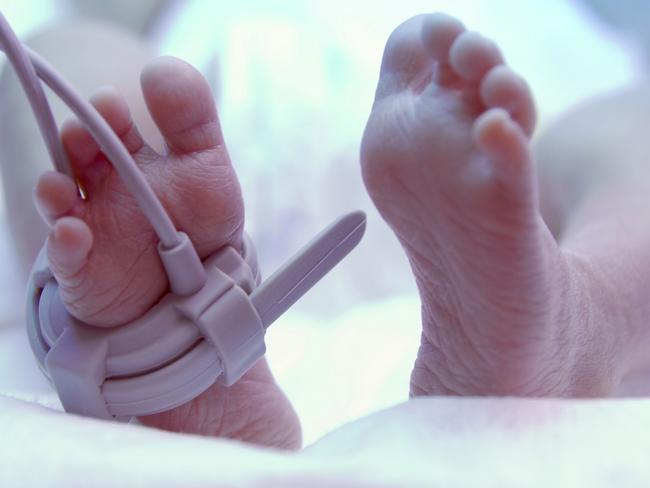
(594, 180)
(446, 158)
(103, 251)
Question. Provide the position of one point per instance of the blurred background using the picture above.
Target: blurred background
(294, 83)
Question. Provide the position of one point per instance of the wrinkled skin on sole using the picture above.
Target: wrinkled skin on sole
(446, 158)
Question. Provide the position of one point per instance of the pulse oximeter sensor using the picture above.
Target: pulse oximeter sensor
(209, 327)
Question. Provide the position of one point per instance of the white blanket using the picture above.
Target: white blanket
(459, 442)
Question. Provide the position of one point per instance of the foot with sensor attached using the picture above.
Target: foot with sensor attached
(103, 252)
(446, 157)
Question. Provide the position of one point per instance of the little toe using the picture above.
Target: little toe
(503, 88)
(56, 195)
(182, 106)
(504, 143)
(67, 249)
(472, 56)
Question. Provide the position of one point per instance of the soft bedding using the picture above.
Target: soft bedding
(429, 442)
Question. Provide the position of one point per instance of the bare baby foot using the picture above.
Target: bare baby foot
(103, 251)
(446, 159)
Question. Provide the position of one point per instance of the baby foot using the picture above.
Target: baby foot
(446, 159)
(102, 250)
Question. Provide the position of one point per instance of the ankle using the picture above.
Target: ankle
(593, 327)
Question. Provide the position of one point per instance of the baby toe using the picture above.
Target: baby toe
(67, 250)
(405, 62)
(472, 55)
(79, 145)
(503, 88)
(505, 145)
(114, 109)
(55, 195)
(87, 161)
(439, 31)
(182, 106)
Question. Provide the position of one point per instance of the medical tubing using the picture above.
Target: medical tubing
(114, 150)
(112, 147)
(19, 59)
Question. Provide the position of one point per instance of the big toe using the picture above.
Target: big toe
(205, 198)
(181, 104)
(405, 61)
(416, 49)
